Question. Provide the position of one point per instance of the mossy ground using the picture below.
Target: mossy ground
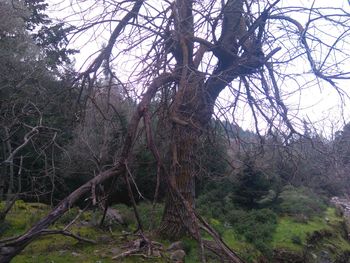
(289, 234)
(293, 235)
(62, 249)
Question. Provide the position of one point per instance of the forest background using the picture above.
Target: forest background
(61, 128)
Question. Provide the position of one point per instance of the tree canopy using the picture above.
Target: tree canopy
(183, 62)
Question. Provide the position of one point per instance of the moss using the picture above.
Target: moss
(61, 249)
(244, 249)
(22, 216)
(288, 230)
(52, 257)
(88, 232)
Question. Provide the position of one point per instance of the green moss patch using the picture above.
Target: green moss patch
(289, 235)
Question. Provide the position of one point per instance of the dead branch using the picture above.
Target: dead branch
(47, 232)
(27, 137)
(12, 248)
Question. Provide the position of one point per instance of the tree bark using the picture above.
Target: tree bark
(190, 114)
(3, 172)
(176, 219)
(10, 188)
(194, 102)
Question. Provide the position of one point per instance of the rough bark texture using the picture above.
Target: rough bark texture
(194, 102)
(176, 220)
(189, 116)
(3, 173)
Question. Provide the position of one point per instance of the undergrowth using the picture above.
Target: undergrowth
(253, 234)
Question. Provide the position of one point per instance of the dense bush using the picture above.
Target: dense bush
(216, 199)
(300, 201)
(252, 186)
(150, 217)
(255, 227)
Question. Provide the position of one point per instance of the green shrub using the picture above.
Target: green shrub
(217, 199)
(300, 202)
(255, 227)
(218, 226)
(234, 217)
(127, 214)
(68, 216)
(150, 217)
(252, 187)
(189, 244)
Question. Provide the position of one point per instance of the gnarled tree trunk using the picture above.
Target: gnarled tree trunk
(176, 220)
(189, 115)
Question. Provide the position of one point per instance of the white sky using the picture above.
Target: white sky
(320, 104)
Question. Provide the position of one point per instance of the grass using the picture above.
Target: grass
(288, 230)
(244, 249)
(60, 249)
(21, 217)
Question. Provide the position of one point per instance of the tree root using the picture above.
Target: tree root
(143, 248)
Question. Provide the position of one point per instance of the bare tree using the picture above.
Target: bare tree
(190, 52)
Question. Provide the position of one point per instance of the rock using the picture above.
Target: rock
(115, 251)
(331, 248)
(178, 245)
(285, 256)
(325, 257)
(156, 253)
(115, 216)
(318, 235)
(75, 254)
(178, 256)
(343, 257)
(84, 223)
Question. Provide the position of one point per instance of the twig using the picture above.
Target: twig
(66, 233)
(131, 196)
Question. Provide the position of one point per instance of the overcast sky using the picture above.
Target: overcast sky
(319, 103)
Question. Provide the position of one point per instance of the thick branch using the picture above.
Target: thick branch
(184, 27)
(66, 233)
(232, 25)
(106, 52)
(11, 249)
